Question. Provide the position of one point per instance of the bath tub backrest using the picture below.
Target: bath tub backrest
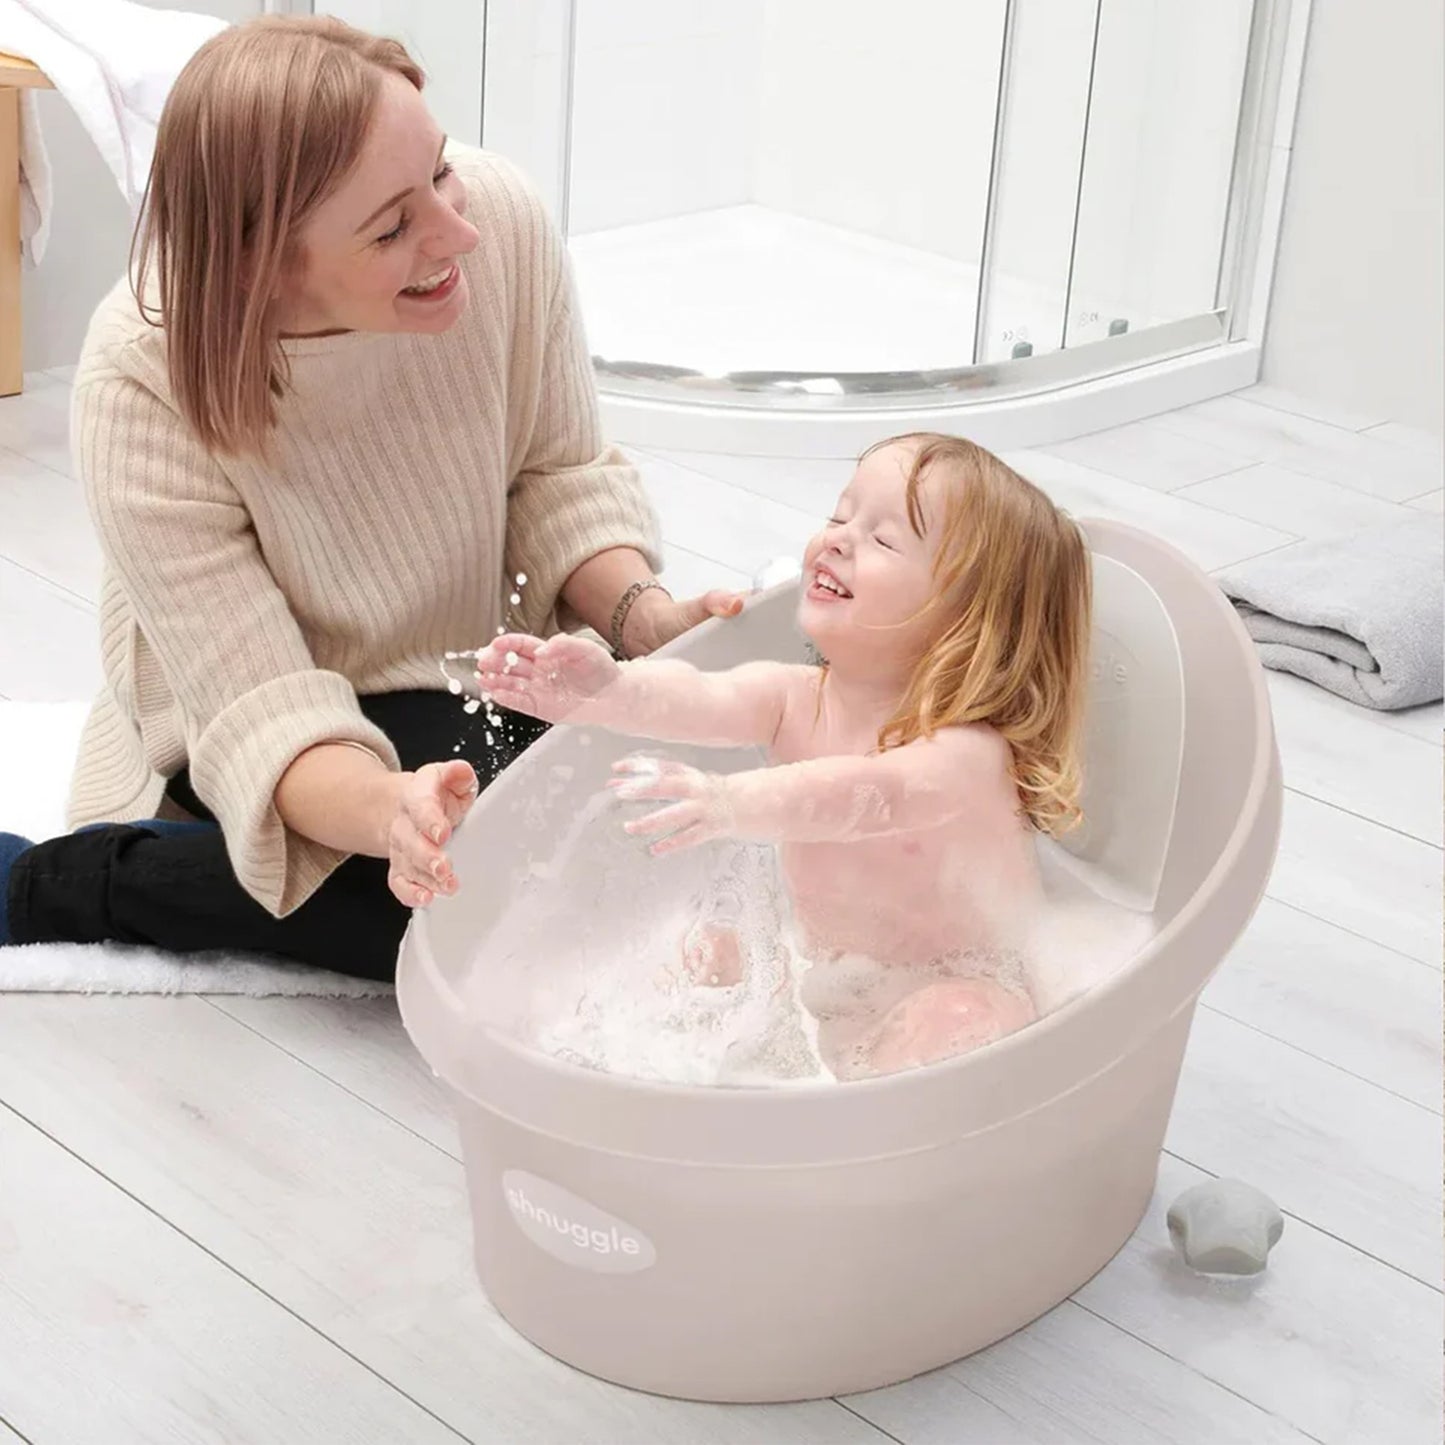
(1228, 747)
(1134, 740)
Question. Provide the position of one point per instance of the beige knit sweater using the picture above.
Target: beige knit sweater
(245, 605)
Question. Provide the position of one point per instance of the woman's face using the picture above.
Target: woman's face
(381, 252)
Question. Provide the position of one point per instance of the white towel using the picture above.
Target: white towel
(1359, 615)
(37, 750)
(114, 63)
(35, 184)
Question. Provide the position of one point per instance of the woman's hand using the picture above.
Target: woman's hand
(701, 808)
(655, 618)
(430, 803)
(550, 680)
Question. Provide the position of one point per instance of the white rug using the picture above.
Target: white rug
(37, 749)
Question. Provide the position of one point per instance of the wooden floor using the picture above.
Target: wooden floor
(243, 1220)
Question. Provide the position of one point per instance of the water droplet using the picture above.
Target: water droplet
(471, 705)
(516, 598)
(521, 579)
(490, 743)
(501, 632)
(454, 687)
(511, 659)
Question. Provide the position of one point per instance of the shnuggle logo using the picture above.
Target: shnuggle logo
(571, 1229)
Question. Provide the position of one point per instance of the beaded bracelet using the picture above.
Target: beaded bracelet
(624, 606)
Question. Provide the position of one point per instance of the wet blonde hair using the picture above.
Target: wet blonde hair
(262, 125)
(1012, 597)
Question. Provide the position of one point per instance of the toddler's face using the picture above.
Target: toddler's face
(867, 575)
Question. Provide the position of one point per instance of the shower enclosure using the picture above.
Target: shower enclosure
(797, 224)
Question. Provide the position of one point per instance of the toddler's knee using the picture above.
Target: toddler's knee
(946, 1018)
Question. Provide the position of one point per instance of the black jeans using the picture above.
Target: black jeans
(126, 884)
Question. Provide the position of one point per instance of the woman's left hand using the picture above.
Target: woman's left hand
(655, 618)
(700, 807)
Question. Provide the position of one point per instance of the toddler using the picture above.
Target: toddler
(908, 774)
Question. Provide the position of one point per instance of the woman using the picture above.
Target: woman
(345, 411)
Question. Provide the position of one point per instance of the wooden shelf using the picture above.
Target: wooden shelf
(17, 74)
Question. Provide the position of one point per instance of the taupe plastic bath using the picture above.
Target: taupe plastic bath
(755, 1244)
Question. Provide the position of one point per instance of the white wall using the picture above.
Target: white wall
(881, 121)
(445, 39)
(1355, 317)
(662, 113)
(90, 225)
(879, 118)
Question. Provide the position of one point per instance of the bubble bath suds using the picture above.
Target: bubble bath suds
(632, 992)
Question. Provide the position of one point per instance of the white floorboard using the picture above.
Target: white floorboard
(46, 528)
(1291, 501)
(48, 646)
(1211, 538)
(36, 424)
(706, 520)
(1365, 1009)
(115, 1327)
(689, 575)
(1150, 454)
(1370, 880)
(1380, 468)
(1285, 401)
(1416, 438)
(1339, 754)
(350, 1221)
(1072, 1377)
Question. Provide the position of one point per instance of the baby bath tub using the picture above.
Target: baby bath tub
(757, 1244)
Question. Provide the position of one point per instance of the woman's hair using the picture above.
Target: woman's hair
(262, 125)
(1012, 596)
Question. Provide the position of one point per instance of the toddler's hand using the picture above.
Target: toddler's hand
(700, 813)
(550, 680)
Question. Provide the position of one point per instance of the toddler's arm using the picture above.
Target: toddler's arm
(838, 799)
(569, 679)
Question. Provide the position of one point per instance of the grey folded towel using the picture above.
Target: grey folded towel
(1359, 615)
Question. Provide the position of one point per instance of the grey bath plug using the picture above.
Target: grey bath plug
(1225, 1226)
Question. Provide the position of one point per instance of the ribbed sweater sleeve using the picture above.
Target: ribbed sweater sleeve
(244, 689)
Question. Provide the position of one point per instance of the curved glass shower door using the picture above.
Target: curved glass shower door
(818, 198)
